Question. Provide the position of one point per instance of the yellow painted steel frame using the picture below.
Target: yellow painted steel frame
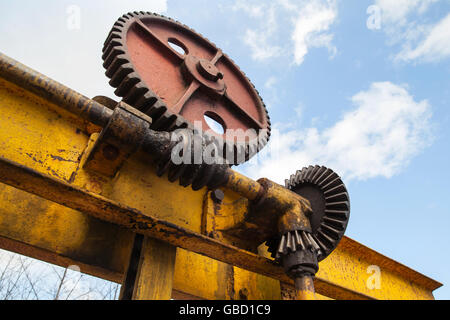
(52, 209)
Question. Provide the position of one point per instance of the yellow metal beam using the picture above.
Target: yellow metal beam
(155, 271)
(42, 147)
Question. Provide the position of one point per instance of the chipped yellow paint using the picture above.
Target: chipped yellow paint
(201, 276)
(338, 268)
(41, 136)
(55, 150)
(252, 286)
(155, 271)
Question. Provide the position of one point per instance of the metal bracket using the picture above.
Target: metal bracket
(120, 138)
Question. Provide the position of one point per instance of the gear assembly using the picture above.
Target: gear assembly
(169, 78)
(302, 222)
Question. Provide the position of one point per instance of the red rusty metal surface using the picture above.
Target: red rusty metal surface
(194, 81)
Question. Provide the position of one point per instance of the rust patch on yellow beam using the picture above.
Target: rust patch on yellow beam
(100, 207)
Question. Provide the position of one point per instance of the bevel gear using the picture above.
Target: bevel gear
(330, 205)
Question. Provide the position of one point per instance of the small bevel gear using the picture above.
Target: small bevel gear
(330, 204)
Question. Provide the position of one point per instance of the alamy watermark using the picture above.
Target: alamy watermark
(374, 20)
(198, 146)
(374, 280)
(73, 21)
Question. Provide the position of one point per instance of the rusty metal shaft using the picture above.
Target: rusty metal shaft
(156, 143)
(304, 288)
(285, 210)
(53, 91)
(243, 185)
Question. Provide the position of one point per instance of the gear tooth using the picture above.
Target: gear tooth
(301, 176)
(331, 177)
(206, 172)
(110, 54)
(305, 239)
(308, 173)
(322, 246)
(108, 48)
(296, 178)
(119, 24)
(289, 246)
(145, 102)
(333, 233)
(162, 168)
(335, 223)
(119, 76)
(188, 175)
(287, 183)
(298, 240)
(113, 36)
(339, 205)
(156, 111)
(313, 173)
(318, 174)
(323, 176)
(294, 246)
(127, 84)
(115, 56)
(332, 182)
(325, 236)
(175, 172)
(337, 189)
(282, 245)
(314, 245)
(115, 65)
(338, 196)
(135, 94)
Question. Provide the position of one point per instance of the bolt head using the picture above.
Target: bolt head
(217, 195)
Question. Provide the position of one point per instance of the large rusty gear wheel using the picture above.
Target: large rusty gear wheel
(330, 204)
(176, 89)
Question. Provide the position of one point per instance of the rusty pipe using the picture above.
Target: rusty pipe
(304, 288)
(155, 143)
(53, 91)
(244, 186)
(160, 144)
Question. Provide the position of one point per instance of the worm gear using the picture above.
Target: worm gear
(300, 250)
(177, 77)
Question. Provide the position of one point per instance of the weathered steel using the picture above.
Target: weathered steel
(102, 208)
(329, 201)
(50, 143)
(304, 287)
(24, 218)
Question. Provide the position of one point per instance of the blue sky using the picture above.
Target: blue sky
(360, 86)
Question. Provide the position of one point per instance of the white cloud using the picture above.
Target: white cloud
(397, 11)
(309, 27)
(260, 39)
(404, 23)
(434, 47)
(42, 40)
(379, 137)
